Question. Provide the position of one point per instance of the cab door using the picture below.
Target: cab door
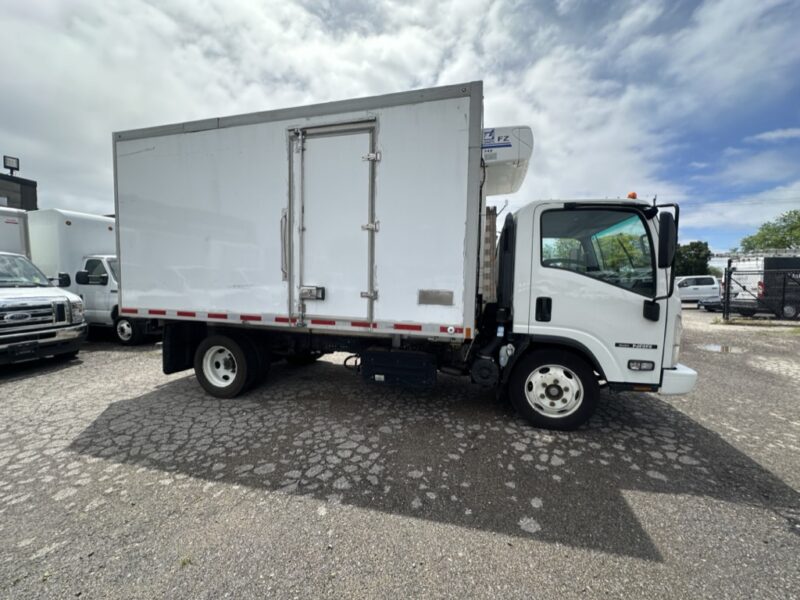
(95, 292)
(593, 269)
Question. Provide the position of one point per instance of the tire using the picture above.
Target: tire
(746, 312)
(223, 366)
(544, 373)
(128, 332)
(303, 359)
(790, 311)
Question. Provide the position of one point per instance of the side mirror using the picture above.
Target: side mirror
(64, 280)
(82, 278)
(667, 240)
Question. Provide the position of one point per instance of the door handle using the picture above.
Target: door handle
(284, 240)
(544, 308)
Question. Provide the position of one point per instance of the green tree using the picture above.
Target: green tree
(783, 232)
(716, 272)
(692, 259)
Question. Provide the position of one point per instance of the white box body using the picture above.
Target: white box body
(376, 200)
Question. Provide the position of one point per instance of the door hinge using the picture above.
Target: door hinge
(370, 295)
(376, 226)
(376, 156)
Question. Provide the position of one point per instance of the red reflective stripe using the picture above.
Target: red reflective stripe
(444, 328)
(281, 319)
(217, 316)
(157, 311)
(322, 322)
(186, 313)
(361, 324)
(408, 327)
(251, 317)
(130, 311)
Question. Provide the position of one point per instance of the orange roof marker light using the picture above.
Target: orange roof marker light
(632, 196)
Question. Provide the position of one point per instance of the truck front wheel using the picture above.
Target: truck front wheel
(128, 331)
(554, 389)
(222, 367)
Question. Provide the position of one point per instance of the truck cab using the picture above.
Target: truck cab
(37, 320)
(97, 283)
(588, 290)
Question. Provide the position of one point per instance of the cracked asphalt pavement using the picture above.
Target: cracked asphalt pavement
(119, 482)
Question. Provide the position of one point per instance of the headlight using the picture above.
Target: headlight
(76, 307)
(676, 340)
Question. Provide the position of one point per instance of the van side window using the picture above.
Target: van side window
(612, 246)
(95, 269)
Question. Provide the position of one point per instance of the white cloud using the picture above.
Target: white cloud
(607, 91)
(776, 135)
(745, 211)
(744, 168)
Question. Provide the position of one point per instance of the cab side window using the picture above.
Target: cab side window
(612, 246)
(96, 271)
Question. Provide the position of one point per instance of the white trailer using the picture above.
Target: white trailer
(14, 231)
(80, 250)
(356, 225)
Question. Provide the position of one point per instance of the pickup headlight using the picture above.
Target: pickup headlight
(77, 311)
(676, 340)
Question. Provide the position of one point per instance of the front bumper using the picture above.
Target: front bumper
(678, 380)
(42, 344)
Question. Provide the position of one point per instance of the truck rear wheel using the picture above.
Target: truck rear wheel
(554, 389)
(223, 366)
(128, 331)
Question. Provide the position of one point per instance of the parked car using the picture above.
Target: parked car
(694, 288)
(37, 319)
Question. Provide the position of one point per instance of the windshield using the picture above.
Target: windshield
(18, 271)
(112, 264)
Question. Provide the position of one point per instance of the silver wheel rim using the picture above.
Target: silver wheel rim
(219, 366)
(554, 391)
(124, 330)
(789, 311)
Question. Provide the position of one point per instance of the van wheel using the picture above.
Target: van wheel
(223, 366)
(554, 390)
(128, 331)
(790, 311)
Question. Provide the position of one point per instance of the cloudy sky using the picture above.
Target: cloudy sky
(697, 102)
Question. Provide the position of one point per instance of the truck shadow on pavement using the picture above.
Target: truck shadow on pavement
(452, 455)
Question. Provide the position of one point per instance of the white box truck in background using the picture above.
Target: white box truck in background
(85, 247)
(14, 231)
(37, 320)
(356, 226)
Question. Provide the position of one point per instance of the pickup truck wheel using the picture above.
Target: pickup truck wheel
(554, 390)
(128, 331)
(790, 311)
(223, 366)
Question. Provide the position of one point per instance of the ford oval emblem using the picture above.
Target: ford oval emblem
(17, 317)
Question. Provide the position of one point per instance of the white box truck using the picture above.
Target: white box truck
(14, 231)
(356, 226)
(37, 320)
(85, 247)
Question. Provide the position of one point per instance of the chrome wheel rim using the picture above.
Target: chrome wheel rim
(219, 366)
(124, 330)
(554, 391)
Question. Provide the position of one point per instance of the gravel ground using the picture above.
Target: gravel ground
(119, 482)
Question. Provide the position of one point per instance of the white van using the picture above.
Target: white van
(85, 247)
(697, 287)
